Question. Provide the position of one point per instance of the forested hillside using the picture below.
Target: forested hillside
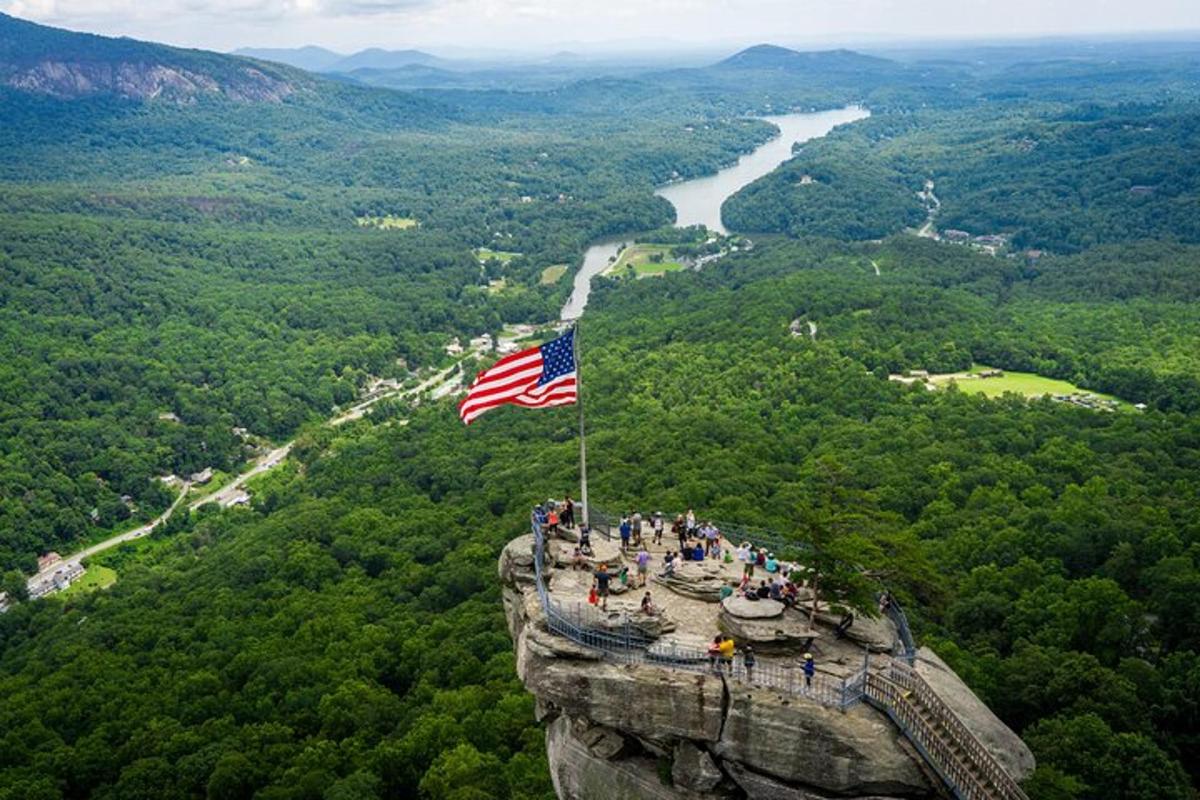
(171, 271)
(1047, 551)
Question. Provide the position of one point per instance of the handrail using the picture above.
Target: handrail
(972, 772)
(962, 761)
(905, 647)
(626, 644)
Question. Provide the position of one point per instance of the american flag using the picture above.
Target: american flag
(535, 378)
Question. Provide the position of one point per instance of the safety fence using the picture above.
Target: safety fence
(959, 758)
(905, 647)
(620, 639)
(944, 741)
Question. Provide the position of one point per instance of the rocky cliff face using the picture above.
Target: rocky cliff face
(69, 80)
(621, 730)
(69, 65)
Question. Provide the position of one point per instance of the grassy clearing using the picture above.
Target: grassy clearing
(551, 275)
(485, 254)
(96, 577)
(387, 223)
(1023, 383)
(639, 257)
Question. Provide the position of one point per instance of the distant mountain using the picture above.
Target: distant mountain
(311, 58)
(376, 58)
(772, 57)
(50, 61)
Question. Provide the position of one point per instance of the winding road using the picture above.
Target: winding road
(229, 492)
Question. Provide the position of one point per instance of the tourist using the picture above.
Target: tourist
(623, 576)
(885, 603)
(715, 553)
(577, 560)
(648, 607)
(712, 537)
(776, 590)
(763, 591)
(626, 531)
(810, 669)
(552, 520)
(643, 564)
(749, 556)
(748, 662)
(567, 518)
(538, 518)
(791, 595)
(698, 552)
(657, 525)
(726, 591)
(714, 654)
(771, 565)
(602, 579)
(760, 559)
(726, 649)
(680, 530)
(844, 625)
(690, 522)
(585, 540)
(636, 521)
(668, 565)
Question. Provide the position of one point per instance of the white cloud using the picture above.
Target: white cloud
(524, 24)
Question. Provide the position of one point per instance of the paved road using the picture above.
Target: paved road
(229, 492)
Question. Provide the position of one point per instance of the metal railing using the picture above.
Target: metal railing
(905, 647)
(943, 739)
(963, 762)
(619, 639)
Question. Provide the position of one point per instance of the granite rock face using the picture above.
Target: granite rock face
(642, 730)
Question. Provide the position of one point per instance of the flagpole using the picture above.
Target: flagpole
(583, 494)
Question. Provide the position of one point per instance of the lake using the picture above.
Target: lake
(699, 201)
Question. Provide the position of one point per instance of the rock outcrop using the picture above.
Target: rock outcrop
(650, 731)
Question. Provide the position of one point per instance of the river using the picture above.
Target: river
(699, 201)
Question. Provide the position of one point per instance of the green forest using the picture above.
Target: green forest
(172, 271)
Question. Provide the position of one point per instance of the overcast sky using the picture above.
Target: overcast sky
(347, 25)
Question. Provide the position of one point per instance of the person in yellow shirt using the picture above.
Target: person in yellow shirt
(726, 649)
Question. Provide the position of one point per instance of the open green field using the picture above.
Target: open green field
(387, 223)
(96, 577)
(485, 254)
(639, 257)
(551, 275)
(1023, 383)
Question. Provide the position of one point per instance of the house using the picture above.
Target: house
(526, 198)
(991, 373)
(1141, 190)
(48, 561)
(955, 235)
(1140, 406)
(806, 180)
(918, 373)
(239, 498)
(454, 348)
(483, 342)
(992, 240)
(202, 477)
(169, 416)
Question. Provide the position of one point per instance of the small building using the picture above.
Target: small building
(992, 240)
(1140, 406)
(991, 373)
(806, 180)
(49, 560)
(239, 498)
(169, 416)
(203, 476)
(455, 348)
(955, 235)
(1140, 191)
(918, 373)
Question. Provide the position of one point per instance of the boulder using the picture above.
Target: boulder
(796, 741)
(694, 583)
(641, 700)
(516, 561)
(580, 774)
(998, 738)
(694, 768)
(875, 633)
(740, 607)
(788, 631)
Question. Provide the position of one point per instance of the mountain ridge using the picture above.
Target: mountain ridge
(67, 65)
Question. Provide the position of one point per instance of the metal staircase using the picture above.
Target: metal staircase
(966, 766)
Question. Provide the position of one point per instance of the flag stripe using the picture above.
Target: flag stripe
(539, 377)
